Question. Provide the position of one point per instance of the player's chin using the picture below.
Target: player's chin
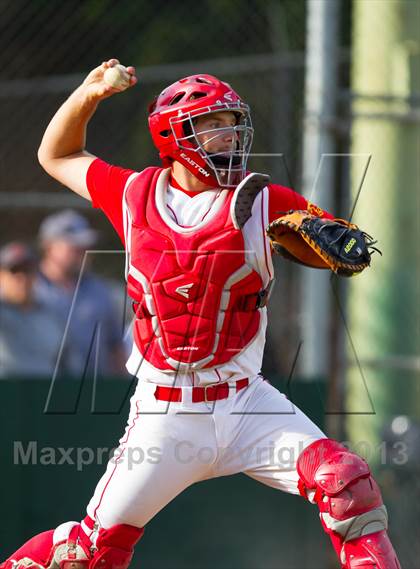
(225, 160)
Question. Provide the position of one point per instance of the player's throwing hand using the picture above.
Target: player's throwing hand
(109, 78)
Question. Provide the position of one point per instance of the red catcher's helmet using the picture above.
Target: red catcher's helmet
(172, 118)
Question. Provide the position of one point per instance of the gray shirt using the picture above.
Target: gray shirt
(90, 326)
(30, 340)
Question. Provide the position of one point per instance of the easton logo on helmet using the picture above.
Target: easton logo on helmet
(191, 161)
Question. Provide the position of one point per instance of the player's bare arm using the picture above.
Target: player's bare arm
(62, 152)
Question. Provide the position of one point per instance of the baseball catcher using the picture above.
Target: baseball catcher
(198, 234)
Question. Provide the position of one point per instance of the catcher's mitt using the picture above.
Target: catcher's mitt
(321, 243)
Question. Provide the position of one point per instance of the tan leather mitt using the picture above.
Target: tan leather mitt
(321, 243)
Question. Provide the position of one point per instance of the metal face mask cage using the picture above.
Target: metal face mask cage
(229, 166)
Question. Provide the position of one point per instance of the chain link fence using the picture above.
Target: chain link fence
(47, 48)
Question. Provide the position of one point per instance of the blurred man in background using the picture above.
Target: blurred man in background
(84, 303)
(30, 331)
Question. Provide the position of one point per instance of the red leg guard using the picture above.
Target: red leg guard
(360, 552)
(115, 547)
(350, 504)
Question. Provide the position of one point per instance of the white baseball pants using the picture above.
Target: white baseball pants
(169, 446)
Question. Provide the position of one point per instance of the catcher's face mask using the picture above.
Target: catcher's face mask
(222, 139)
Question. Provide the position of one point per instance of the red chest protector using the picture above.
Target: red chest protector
(195, 297)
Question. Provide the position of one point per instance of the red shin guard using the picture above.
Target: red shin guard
(350, 504)
(114, 547)
(371, 551)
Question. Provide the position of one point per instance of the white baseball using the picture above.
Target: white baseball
(117, 77)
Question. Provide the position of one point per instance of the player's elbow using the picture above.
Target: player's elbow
(43, 158)
(48, 158)
(50, 163)
(40, 157)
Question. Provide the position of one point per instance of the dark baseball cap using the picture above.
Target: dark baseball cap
(68, 225)
(15, 255)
